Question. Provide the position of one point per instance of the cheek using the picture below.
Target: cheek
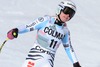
(64, 19)
(68, 18)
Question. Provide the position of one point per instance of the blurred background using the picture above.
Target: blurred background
(84, 28)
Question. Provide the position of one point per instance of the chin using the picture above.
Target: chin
(65, 21)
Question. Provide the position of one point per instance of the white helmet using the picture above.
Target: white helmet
(68, 7)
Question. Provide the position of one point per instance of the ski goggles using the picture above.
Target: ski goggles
(69, 11)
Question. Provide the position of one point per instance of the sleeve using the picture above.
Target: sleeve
(68, 48)
(35, 25)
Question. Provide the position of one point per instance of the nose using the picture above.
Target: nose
(67, 15)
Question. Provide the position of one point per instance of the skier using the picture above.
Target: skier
(51, 32)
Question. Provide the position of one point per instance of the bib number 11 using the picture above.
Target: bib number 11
(53, 43)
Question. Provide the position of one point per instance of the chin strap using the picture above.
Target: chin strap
(58, 22)
(60, 19)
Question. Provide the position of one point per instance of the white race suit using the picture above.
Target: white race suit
(50, 34)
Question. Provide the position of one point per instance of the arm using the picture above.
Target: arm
(69, 50)
(35, 25)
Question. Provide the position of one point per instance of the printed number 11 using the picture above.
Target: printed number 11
(53, 43)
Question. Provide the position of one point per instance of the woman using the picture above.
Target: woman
(51, 32)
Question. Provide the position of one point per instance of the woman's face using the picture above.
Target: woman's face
(64, 17)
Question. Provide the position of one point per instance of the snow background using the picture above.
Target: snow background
(84, 28)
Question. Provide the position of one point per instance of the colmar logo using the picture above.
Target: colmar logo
(53, 33)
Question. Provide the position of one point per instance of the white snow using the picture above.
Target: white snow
(84, 28)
